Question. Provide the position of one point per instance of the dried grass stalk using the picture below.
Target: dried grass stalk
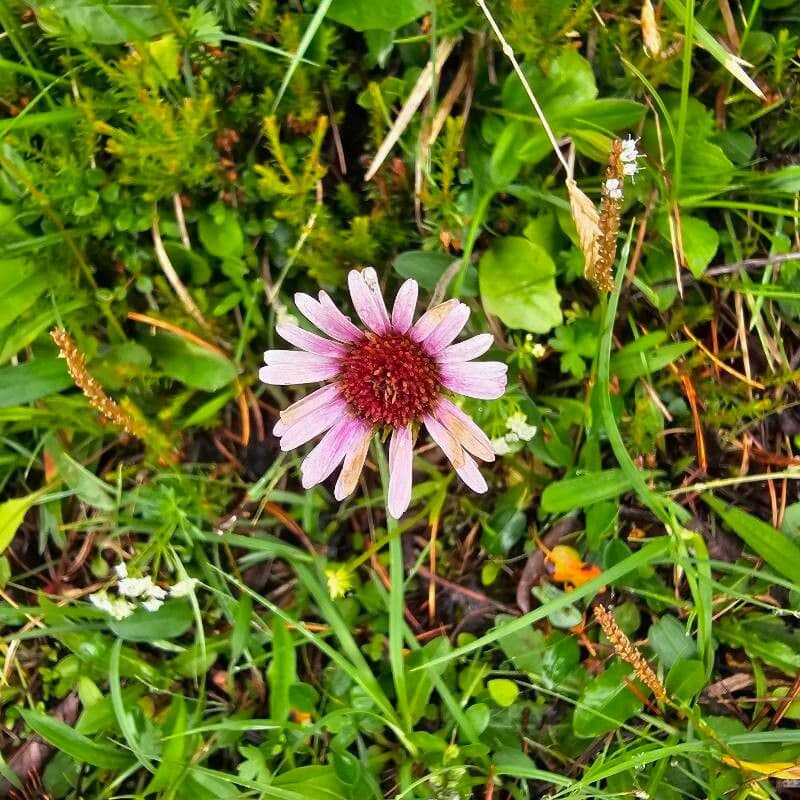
(628, 652)
(110, 409)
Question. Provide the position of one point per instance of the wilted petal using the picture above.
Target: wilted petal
(464, 430)
(425, 325)
(368, 301)
(486, 381)
(353, 463)
(447, 329)
(405, 303)
(401, 456)
(324, 314)
(471, 475)
(330, 451)
(309, 341)
(313, 424)
(285, 367)
(308, 405)
(468, 349)
(450, 447)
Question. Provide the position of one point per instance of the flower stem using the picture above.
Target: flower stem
(396, 591)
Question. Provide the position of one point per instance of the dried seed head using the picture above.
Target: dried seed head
(112, 411)
(627, 652)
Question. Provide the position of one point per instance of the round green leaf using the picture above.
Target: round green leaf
(367, 15)
(221, 234)
(503, 691)
(606, 703)
(517, 283)
(168, 622)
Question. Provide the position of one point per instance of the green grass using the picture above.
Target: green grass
(300, 655)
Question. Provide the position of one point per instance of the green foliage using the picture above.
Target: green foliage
(216, 150)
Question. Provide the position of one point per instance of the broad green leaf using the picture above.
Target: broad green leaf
(774, 546)
(190, 363)
(584, 490)
(606, 703)
(20, 286)
(282, 672)
(221, 234)
(74, 744)
(84, 483)
(426, 268)
(174, 748)
(101, 21)
(517, 282)
(700, 242)
(632, 361)
(170, 621)
(12, 513)
(505, 162)
(503, 691)
(685, 680)
(670, 640)
(32, 380)
(368, 15)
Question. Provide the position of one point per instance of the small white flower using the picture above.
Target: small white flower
(153, 604)
(630, 169)
(183, 588)
(500, 446)
(519, 427)
(156, 592)
(629, 152)
(121, 569)
(135, 587)
(116, 607)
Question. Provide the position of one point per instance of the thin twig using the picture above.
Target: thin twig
(174, 280)
(178, 206)
(418, 94)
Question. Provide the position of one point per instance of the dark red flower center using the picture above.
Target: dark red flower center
(389, 380)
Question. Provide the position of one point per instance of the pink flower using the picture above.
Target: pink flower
(395, 374)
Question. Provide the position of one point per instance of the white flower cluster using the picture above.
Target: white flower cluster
(518, 431)
(629, 156)
(149, 595)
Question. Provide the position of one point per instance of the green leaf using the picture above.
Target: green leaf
(282, 672)
(170, 621)
(517, 282)
(774, 546)
(32, 380)
(75, 744)
(686, 679)
(426, 268)
(12, 513)
(174, 748)
(367, 15)
(101, 21)
(221, 234)
(505, 162)
(700, 243)
(85, 484)
(503, 691)
(606, 703)
(190, 363)
(584, 490)
(20, 286)
(670, 640)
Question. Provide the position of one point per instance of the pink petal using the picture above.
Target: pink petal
(405, 303)
(307, 406)
(468, 349)
(485, 381)
(447, 329)
(285, 367)
(430, 319)
(368, 300)
(450, 447)
(324, 314)
(464, 430)
(471, 475)
(401, 456)
(306, 340)
(311, 425)
(353, 463)
(330, 451)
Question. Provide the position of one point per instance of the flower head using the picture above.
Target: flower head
(394, 375)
